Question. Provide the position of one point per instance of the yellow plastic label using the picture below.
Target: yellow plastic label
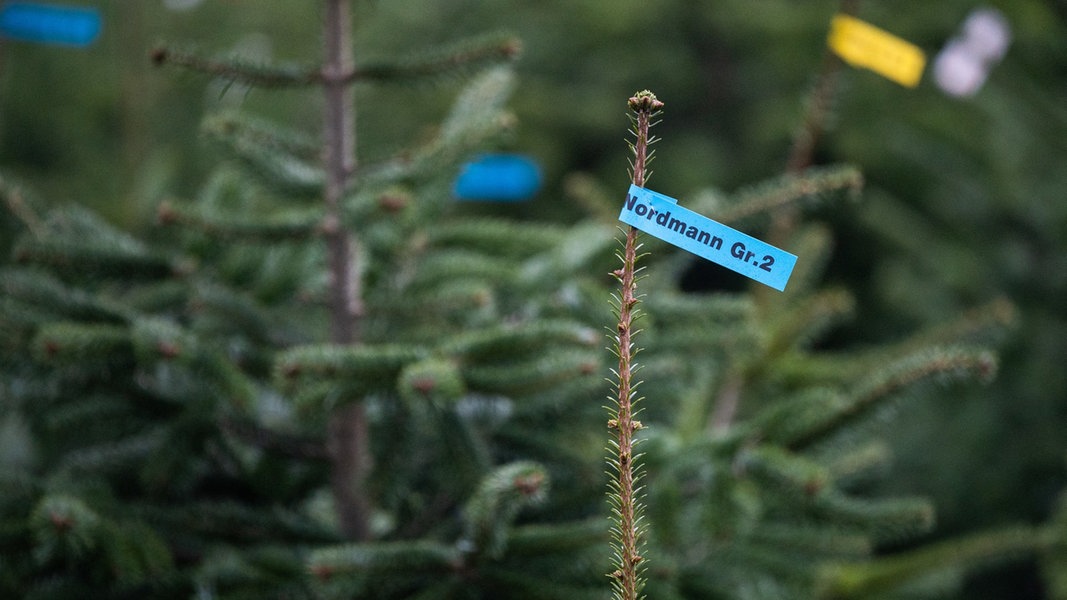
(863, 45)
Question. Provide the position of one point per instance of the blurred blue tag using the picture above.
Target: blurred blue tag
(50, 23)
(498, 178)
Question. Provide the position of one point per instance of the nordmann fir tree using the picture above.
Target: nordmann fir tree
(310, 382)
(761, 446)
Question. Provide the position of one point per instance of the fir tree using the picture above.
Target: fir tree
(316, 380)
(303, 385)
(761, 446)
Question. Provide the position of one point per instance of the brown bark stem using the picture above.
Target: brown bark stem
(812, 128)
(802, 153)
(645, 105)
(349, 432)
(628, 533)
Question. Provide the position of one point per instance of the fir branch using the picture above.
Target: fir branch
(228, 310)
(114, 455)
(264, 133)
(508, 341)
(456, 301)
(84, 258)
(238, 70)
(162, 296)
(465, 55)
(709, 310)
(397, 558)
(287, 225)
(490, 512)
(885, 520)
(557, 397)
(76, 242)
(951, 362)
(497, 236)
(446, 267)
(468, 54)
(520, 584)
(158, 339)
(46, 294)
(434, 379)
(793, 418)
(479, 105)
(704, 323)
(777, 468)
(454, 143)
(585, 246)
(18, 321)
(814, 241)
(628, 578)
(588, 193)
(476, 116)
(234, 521)
(539, 539)
(368, 367)
(1054, 559)
(790, 190)
(980, 325)
(73, 342)
(860, 463)
(808, 539)
(537, 374)
(809, 319)
(64, 526)
(264, 437)
(137, 554)
(882, 576)
(884, 383)
(68, 420)
(14, 199)
(267, 157)
(819, 107)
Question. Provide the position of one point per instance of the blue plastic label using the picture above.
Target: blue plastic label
(661, 216)
(498, 178)
(50, 23)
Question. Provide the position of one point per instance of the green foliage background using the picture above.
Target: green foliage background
(964, 201)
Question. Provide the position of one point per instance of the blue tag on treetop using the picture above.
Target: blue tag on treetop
(661, 216)
(50, 23)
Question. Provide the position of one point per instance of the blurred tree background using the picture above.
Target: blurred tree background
(964, 201)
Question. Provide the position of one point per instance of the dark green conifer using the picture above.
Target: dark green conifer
(315, 380)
